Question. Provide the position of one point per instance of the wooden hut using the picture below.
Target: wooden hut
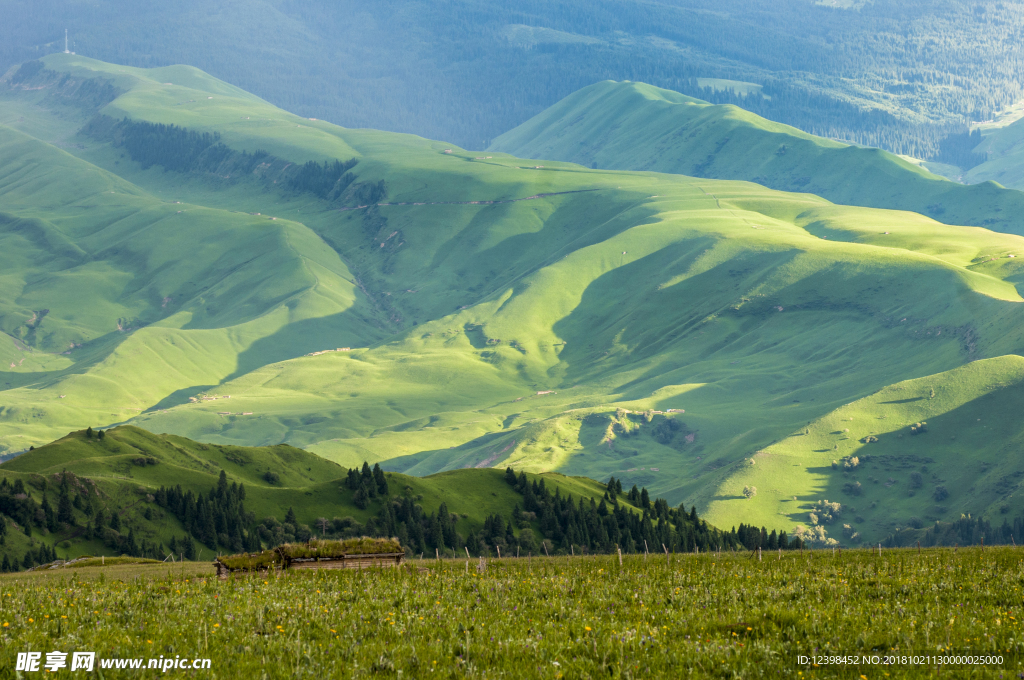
(356, 553)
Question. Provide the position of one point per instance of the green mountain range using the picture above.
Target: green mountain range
(184, 257)
(904, 75)
(634, 126)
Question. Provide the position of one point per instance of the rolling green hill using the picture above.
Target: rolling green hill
(305, 481)
(1005, 150)
(634, 126)
(886, 471)
(96, 284)
(372, 296)
(121, 473)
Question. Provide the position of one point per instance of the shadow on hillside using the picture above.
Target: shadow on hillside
(93, 353)
(476, 336)
(355, 327)
(12, 381)
(485, 448)
(628, 312)
(576, 221)
(178, 397)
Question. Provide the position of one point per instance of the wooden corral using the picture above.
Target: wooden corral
(348, 561)
(223, 571)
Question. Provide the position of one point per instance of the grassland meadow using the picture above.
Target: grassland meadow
(708, 615)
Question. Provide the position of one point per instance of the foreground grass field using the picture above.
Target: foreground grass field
(728, 615)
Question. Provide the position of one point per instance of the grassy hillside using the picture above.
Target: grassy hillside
(305, 481)
(1004, 147)
(886, 471)
(634, 126)
(95, 286)
(121, 472)
(491, 311)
